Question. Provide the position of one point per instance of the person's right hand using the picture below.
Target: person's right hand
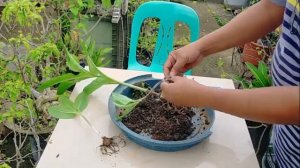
(182, 59)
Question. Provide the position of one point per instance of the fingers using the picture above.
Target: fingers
(164, 86)
(174, 65)
(177, 68)
(167, 68)
(168, 88)
(169, 64)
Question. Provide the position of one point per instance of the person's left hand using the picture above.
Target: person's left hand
(182, 91)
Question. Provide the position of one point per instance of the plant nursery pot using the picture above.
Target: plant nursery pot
(198, 135)
(236, 4)
(251, 53)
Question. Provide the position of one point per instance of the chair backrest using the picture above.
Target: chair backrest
(168, 13)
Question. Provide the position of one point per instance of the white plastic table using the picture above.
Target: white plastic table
(74, 144)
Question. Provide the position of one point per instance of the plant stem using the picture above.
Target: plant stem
(123, 83)
(89, 123)
(134, 87)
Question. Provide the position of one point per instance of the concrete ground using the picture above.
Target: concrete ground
(207, 11)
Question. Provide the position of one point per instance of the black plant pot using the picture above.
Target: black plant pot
(260, 134)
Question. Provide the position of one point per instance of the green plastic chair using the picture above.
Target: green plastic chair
(169, 13)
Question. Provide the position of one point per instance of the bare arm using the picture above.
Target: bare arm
(279, 105)
(271, 105)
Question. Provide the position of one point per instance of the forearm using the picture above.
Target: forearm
(271, 105)
(250, 25)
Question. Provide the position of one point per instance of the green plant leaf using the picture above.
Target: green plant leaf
(127, 110)
(245, 84)
(125, 104)
(257, 74)
(106, 4)
(121, 100)
(73, 64)
(74, 10)
(263, 68)
(64, 86)
(92, 67)
(90, 3)
(256, 84)
(106, 50)
(65, 110)
(4, 165)
(63, 78)
(66, 102)
(97, 83)
(80, 26)
(118, 3)
(81, 101)
(61, 112)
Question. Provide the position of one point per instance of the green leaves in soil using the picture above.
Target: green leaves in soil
(125, 104)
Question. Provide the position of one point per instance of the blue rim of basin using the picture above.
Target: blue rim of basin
(146, 141)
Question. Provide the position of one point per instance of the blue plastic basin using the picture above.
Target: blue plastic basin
(144, 140)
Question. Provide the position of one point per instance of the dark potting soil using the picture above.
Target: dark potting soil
(161, 120)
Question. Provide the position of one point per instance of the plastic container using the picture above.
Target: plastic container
(195, 138)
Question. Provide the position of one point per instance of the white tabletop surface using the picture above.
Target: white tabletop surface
(74, 144)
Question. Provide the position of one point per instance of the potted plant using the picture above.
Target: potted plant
(261, 50)
(253, 53)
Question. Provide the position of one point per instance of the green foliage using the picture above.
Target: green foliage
(21, 40)
(67, 79)
(125, 104)
(68, 109)
(43, 51)
(77, 6)
(118, 3)
(182, 41)
(147, 40)
(81, 101)
(148, 35)
(38, 45)
(23, 12)
(106, 4)
(220, 21)
(65, 110)
(261, 76)
(64, 86)
(98, 56)
(4, 165)
(133, 5)
(12, 89)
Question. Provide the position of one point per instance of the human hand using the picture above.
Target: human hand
(182, 91)
(182, 59)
